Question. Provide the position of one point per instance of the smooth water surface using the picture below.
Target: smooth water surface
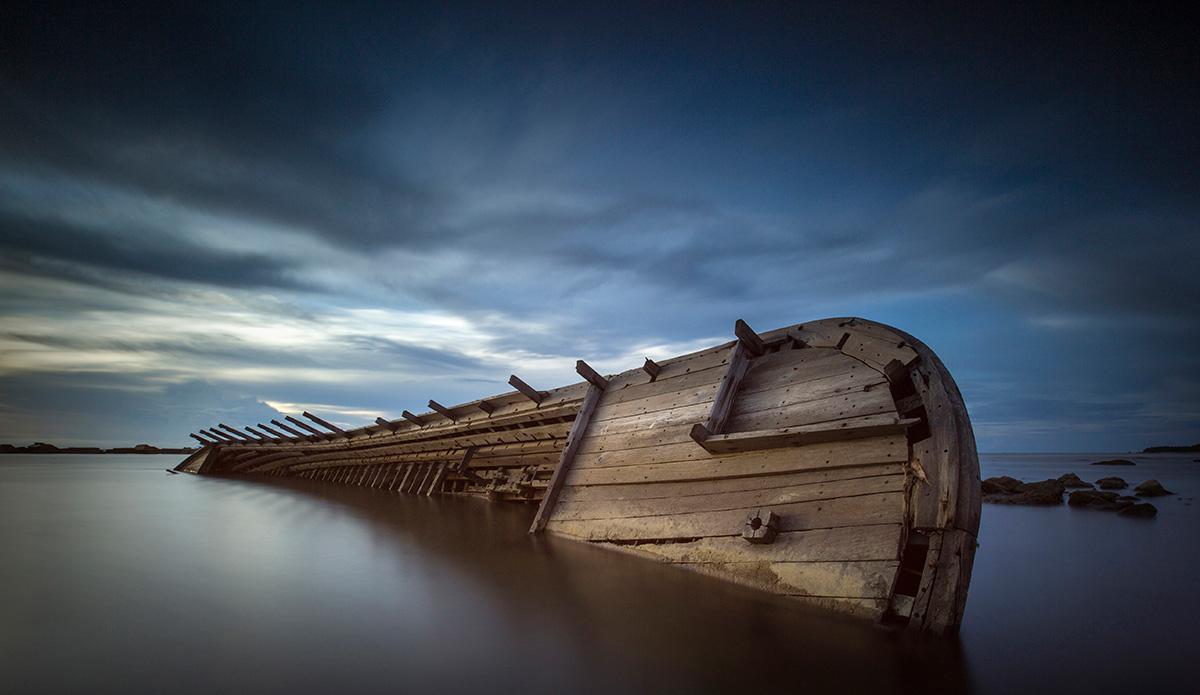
(119, 577)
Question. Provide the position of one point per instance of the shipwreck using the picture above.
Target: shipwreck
(831, 461)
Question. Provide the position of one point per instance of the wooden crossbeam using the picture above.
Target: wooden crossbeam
(285, 428)
(275, 433)
(590, 375)
(739, 362)
(652, 368)
(386, 424)
(326, 425)
(527, 390)
(220, 435)
(486, 406)
(442, 410)
(746, 335)
(463, 470)
(205, 442)
(413, 419)
(257, 435)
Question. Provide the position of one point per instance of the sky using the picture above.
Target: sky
(220, 212)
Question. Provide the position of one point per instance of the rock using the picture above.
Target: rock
(1151, 488)
(1070, 480)
(1000, 484)
(1143, 510)
(1111, 484)
(1094, 499)
(1044, 492)
(1114, 462)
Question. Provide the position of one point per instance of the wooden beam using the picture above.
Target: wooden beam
(257, 435)
(285, 428)
(306, 426)
(443, 410)
(746, 335)
(462, 469)
(275, 433)
(413, 419)
(527, 390)
(229, 429)
(205, 442)
(574, 439)
(590, 375)
(438, 477)
(652, 368)
(723, 403)
(326, 425)
(386, 424)
(486, 406)
(221, 435)
(859, 428)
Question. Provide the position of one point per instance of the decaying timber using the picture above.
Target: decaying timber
(831, 461)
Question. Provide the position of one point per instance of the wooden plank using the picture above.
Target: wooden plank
(306, 427)
(841, 430)
(590, 375)
(746, 336)
(442, 410)
(527, 390)
(582, 494)
(767, 496)
(723, 403)
(867, 579)
(577, 435)
(651, 368)
(856, 510)
(845, 544)
(829, 455)
(437, 479)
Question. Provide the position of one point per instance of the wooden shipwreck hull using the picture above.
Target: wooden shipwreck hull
(831, 461)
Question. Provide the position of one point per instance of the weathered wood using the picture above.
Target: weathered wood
(221, 436)
(440, 476)
(652, 368)
(486, 407)
(442, 410)
(329, 426)
(527, 390)
(305, 426)
(873, 542)
(578, 431)
(260, 436)
(857, 510)
(590, 375)
(856, 428)
(203, 441)
(232, 431)
(273, 432)
(747, 336)
(413, 419)
(723, 403)
(289, 430)
(385, 424)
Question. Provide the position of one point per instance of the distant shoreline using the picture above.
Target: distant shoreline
(1172, 449)
(43, 448)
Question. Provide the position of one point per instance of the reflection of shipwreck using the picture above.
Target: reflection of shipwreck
(831, 461)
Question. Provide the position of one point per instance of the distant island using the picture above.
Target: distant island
(1171, 449)
(44, 448)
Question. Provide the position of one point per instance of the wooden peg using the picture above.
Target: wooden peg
(591, 375)
(747, 336)
(443, 410)
(527, 390)
(652, 368)
(413, 419)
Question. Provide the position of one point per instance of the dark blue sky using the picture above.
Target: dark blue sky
(209, 211)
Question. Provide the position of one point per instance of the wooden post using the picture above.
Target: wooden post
(574, 439)
(528, 391)
(326, 425)
(462, 468)
(739, 362)
(437, 479)
(652, 368)
(590, 375)
(306, 426)
(413, 419)
(443, 410)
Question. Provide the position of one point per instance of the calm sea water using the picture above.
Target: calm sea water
(118, 577)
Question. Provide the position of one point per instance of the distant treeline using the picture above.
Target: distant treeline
(44, 448)
(1171, 449)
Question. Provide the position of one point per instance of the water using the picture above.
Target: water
(118, 577)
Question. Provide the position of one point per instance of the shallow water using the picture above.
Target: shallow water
(117, 576)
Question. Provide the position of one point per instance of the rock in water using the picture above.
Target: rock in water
(1114, 462)
(1000, 484)
(1094, 499)
(1111, 484)
(1044, 492)
(1070, 480)
(1152, 488)
(1144, 510)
